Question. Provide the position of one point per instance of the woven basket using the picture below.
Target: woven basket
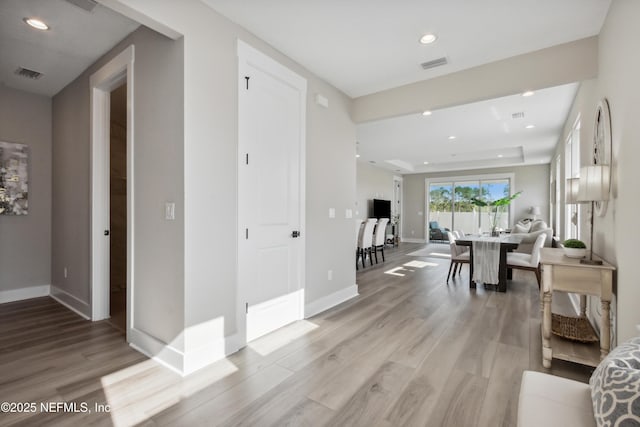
(573, 328)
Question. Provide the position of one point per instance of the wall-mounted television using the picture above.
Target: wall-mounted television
(381, 208)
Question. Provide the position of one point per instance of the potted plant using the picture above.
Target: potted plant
(495, 208)
(574, 248)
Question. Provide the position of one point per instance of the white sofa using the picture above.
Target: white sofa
(550, 401)
(612, 397)
(530, 230)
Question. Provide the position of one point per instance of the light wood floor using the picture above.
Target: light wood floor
(410, 350)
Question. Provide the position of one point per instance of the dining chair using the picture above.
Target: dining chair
(366, 240)
(458, 256)
(379, 237)
(359, 230)
(529, 262)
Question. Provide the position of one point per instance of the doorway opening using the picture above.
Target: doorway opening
(112, 243)
(118, 207)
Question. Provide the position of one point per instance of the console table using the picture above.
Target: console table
(564, 274)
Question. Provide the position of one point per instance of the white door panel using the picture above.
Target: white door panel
(271, 134)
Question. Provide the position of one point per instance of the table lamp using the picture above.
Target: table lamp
(593, 187)
(535, 211)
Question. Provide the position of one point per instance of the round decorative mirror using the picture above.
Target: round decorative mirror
(602, 145)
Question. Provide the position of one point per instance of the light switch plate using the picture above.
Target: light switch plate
(332, 212)
(348, 213)
(170, 211)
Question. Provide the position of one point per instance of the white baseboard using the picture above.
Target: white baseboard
(406, 240)
(73, 303)
(325, 303)
(157, 350)
(205, 355)
(183, 363)
(20, 294)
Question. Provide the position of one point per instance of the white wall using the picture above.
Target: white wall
(531, 180)
(372, 182)
(25, 240)
(210, 172)
(617, 234)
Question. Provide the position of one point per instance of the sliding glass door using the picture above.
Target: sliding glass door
(449, 203)
(465, 213)
(440, 205)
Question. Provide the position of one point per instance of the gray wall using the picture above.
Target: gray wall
(617, 233)
(371, 183)
(25, 241)
(533, 181)
(159, 177)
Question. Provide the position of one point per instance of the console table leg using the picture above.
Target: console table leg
(547, 353)
(605, 333)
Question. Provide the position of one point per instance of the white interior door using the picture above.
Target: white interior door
(271, 236)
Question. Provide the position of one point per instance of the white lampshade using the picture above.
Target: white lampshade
(571, 191)
(594, 183)
(535, 210)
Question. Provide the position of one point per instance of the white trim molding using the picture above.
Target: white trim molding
(73, 303)
(20, 294)
(117, 71)
(406, 240)
(329, 301)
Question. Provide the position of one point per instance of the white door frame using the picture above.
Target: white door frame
(248, 54)
(113, 74)
(397, 180)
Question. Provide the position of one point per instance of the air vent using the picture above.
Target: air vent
(435, 63)
(87, 5)
(29, 74)
(518, 115)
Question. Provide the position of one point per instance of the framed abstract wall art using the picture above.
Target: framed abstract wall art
(14, 179)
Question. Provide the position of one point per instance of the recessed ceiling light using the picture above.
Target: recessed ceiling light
(36, 23)
(452, 137)
(426, 163)
(357, 155)
(530, 126)
(528, 93)
(499, 156)
(426, 113)
(428, 38)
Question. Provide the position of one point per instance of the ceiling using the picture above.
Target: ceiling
(365, 46)
(361, 47)
(487, 134)
(75, 40)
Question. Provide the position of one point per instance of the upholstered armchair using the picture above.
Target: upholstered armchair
(436, 232)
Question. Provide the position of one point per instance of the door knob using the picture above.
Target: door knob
(295, 234)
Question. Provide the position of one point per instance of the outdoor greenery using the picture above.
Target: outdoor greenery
(440, 198)
(466, 198)
(495, 207)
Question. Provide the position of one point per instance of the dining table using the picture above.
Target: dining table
(508, 243)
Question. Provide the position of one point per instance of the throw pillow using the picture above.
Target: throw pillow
(615, 386)
(518, 228)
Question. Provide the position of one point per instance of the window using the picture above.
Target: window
(572, 170)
